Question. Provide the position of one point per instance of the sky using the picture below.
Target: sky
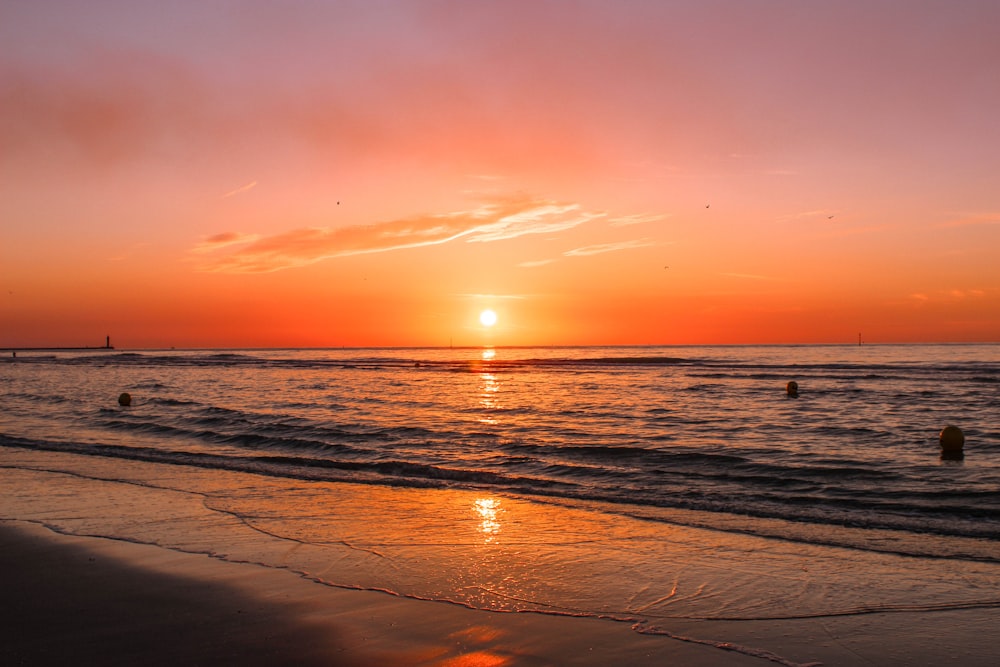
(262, 174)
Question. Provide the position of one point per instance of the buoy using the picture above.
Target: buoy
(952, 442)
(793, 389)
(125, 399)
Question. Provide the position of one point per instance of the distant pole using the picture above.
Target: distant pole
(859, 340)
(107, 342)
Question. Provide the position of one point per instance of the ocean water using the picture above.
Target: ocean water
(650, 484)
(704, 429)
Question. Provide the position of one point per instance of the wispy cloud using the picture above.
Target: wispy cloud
(952, 295)
(225, 239)
(531, 264)
(497, 221)
(637, 219)
(608, 247)
(534, 219)
(962, 294)
(241, 189)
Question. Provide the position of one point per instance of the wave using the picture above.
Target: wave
(791, 501)
(458, 360)
(396, 473)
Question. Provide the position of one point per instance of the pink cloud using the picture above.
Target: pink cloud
(217, 241)
(608, 247)
(240, 190)
(490, 222)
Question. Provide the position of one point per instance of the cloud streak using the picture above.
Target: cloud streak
(952, 295)
(240, 190)
(601, 248)
(490, 222)
(219, 241)
(637, 219)
(531, 264)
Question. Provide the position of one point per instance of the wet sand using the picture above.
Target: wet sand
(78, 600)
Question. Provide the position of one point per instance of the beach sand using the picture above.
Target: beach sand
(79, 600)
(203, 597)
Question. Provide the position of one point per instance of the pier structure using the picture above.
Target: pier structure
(107, 346)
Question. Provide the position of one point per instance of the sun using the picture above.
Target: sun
(487, 318)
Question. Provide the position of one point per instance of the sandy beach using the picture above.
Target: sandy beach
(76, 600)
(116, 562)
(96, 601)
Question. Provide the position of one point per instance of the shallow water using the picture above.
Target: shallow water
(853, 461)
(479, 549)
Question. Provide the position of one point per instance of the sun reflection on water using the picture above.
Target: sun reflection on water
(489, 391)
(488, 512)
(491, 385)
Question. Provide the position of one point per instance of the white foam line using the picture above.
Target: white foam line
(642, 628)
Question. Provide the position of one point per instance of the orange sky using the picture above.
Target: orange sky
(377, 173)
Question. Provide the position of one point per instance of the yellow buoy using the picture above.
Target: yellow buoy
(793, 389)
(125, 399)
(952, 442)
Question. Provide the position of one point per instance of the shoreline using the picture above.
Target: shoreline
(89, 600)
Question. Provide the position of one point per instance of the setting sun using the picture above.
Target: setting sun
(488, 318)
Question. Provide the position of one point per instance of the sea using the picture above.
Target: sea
(635, 448)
